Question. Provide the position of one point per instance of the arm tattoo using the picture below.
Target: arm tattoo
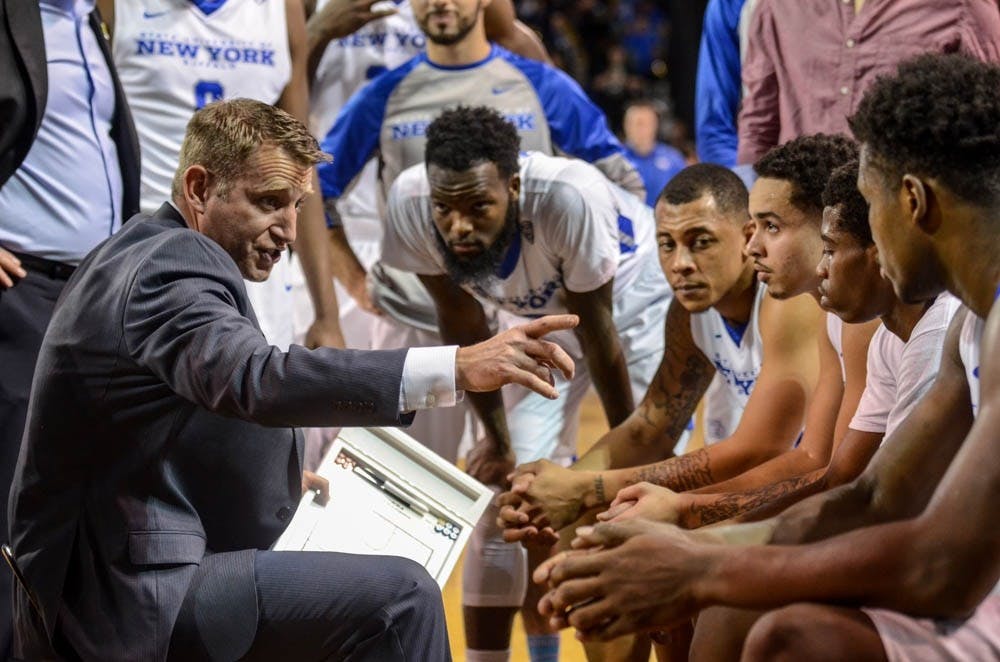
(726, 506)
(599, 488)
(684, 472)
(675, 402)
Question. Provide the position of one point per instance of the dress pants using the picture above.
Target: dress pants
(25, 311)
(312, 606)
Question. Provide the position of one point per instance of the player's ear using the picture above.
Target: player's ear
(917, 199)
(514, 185)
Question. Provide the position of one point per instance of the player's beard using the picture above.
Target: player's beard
(481, 268)
(463, 27)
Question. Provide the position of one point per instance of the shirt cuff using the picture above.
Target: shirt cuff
(429, 379)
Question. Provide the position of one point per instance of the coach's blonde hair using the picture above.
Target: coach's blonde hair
(222, 136)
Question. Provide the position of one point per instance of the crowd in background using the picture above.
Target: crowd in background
(621, 50)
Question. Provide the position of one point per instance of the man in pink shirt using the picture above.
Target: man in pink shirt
(795, 86)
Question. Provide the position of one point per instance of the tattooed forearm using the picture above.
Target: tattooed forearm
(670, 403)
(752, 504)
(681, 473)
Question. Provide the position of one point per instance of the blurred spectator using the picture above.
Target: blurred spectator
(566, 50)
(645, 37)
(622, 50)
(797, 86)
(656, 161)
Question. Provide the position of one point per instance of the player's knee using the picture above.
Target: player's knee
(777, 636)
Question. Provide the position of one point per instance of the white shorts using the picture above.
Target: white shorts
(909, 639)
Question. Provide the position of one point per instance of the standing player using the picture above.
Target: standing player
(531, 238)
(387, 119)
(180, 55)
(351, 43)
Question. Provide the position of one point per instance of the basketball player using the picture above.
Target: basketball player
(342, 60)
(544, 234)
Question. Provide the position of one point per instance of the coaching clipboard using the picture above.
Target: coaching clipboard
(389, 495)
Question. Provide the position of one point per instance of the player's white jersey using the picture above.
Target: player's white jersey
(350, 62)
(969, 341)
(577, 231)
(175, 56)
(834, 333)
(968, 347)
(346, 66)
(737, 355)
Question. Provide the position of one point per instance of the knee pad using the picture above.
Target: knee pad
(495, 572)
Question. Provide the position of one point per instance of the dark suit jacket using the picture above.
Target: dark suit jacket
(25, 89)
(159, 430)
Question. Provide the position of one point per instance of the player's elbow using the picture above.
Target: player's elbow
(808, 459)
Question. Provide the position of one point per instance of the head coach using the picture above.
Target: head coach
(160, 459)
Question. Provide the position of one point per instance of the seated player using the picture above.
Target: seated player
(902, 362)
(902, 563)
(786, 207)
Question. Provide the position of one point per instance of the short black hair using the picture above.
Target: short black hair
(466, 136)
(806, 163)
(938, 116)
(842, 192)
(725, 187)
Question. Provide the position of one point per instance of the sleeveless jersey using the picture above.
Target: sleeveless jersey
(346, 66)
(834, 332)
(969, 343)
(968, 347)
(175, 56)
(737, 359)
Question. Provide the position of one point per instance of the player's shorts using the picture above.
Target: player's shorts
(908, 639)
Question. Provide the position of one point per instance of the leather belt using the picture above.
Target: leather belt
(51, 268)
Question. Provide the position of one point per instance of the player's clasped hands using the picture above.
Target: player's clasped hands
(601, 587)
(643, 500)
(543, 496)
